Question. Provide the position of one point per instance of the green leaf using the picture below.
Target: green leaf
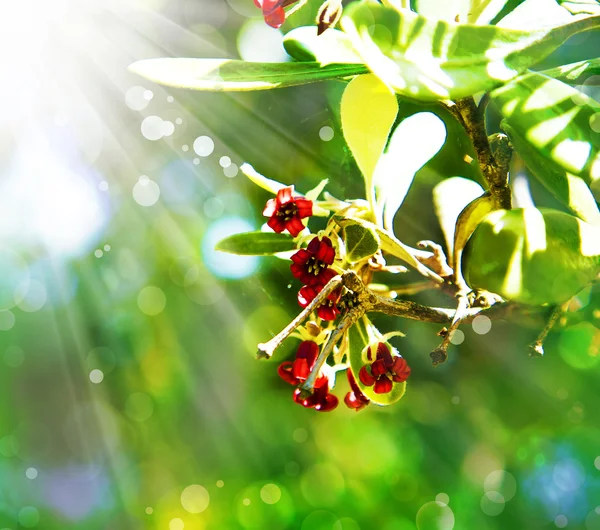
(569, 189)
(360, 336)
(558, 121)
(368, 111)
(533, 256)
(313, 194)
(450, 197)
(413, 143)
(265, 183)
(388, 243)
(256, 243)
(433, 60)
(333, 46)
(361, 242)
(578, 73)
(222, 75)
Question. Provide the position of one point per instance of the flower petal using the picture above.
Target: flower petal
(276, 224)
(365, 376)
(294, 226)
(383, 385)
(285, 372)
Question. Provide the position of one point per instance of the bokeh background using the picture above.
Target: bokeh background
(130, 397)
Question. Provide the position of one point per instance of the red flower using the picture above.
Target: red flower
(320, 399)
(328, 310)
(311, 263)
(273, 10)
(355, 399)
(286, 212)
(385, 371)
(296, 372)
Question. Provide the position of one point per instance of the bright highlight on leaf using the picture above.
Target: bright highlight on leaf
(432, 60)
(222, 75)
(413, 143)
(333, 46)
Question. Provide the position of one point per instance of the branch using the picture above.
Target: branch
(495, 175)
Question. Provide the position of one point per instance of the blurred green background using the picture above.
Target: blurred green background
(130, 397)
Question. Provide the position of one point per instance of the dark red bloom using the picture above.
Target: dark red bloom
(355, 399)
(311, 263)
(320, 399)
(386, 370)
(273, 10)
(296, 372)
(286, 211)
(328, 310)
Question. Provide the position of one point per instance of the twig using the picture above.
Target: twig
(266, 349)
(537, 348)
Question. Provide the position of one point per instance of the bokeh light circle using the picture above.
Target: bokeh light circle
(204, 146)
(134, 98)
(151, 300)
(195, 498)
(492, 503)
(152, 128)
(326, 133)
(561, 521)
(502, 482)
(435, 516)
(457, 337)
(270, 493)
(96, 376)
(481, 324)
(442, 498)
(7, 320)
(146, 192)
(32, 296)
(29, 516)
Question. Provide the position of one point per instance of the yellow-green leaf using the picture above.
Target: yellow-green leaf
(256, 243)
(333, 46)
(368, 112)
(361, 242)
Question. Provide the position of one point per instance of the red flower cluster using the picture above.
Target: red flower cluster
(272, 11)
(386, 370)
(328, 310)
(297, 372)
(286, 212)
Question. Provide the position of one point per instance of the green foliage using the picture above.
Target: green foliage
(556, 120)
(256, 243)
(533, 256)
(333, 46)
(433, 60)
(577, 73)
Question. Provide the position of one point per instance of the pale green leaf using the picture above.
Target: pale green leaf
(464, 11)
(558, 121)
(361, 242)
(256, 243)
(569, 189)
(581, 7)
(450, 197)
(260, 180)
(313, 194)
(222, 75)
(333, 46)
(533, 256)
(536, 14)
(360, 336)
(368, 111)
(433, 60)
(413, 143)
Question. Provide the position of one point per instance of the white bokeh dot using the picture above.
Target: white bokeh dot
(31, 473)
(168, 128)
(146, 192)
(178, 121)
(561, 521)
(457, 337)
(196, 161)
(224, 161)
(481, 324)
(231, 171)
(134, 98)
(326, 133)
(98, 253)
(195, 498)
(170, 99)
(96, 376)
(176, 524)
(106, 248)
(185, 148)
(148, 95)
(442, 498)
(492, 503)
(204, 146)
(270, 493)
(152, 128)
